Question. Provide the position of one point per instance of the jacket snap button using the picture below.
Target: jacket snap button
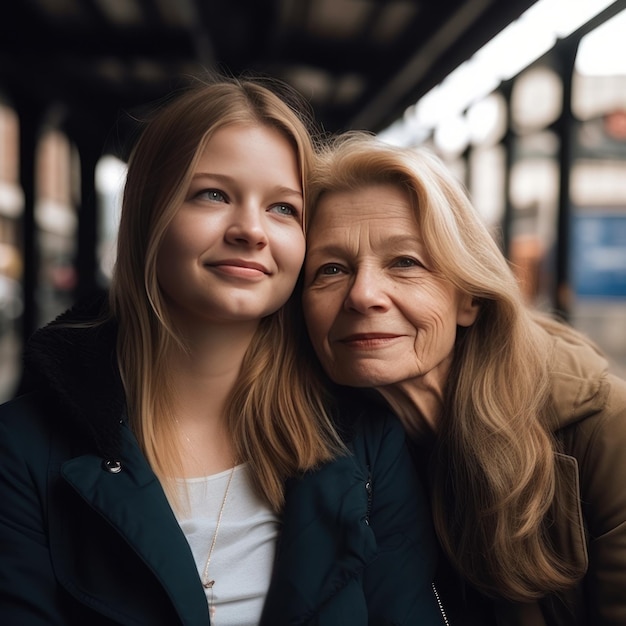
(114, 467)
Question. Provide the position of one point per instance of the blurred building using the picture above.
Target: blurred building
(538, 136)
(54, 231)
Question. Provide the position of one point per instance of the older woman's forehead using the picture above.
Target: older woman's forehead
(366, 199)
(379, 214)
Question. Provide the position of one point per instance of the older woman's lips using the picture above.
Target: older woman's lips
(369, 340)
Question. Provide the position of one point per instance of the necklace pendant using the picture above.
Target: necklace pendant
(208, 584)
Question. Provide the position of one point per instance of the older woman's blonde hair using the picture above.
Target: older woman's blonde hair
(494, 463)
(276, 414)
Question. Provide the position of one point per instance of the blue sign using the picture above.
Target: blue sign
(598, 254)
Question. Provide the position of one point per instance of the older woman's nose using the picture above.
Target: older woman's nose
(366, 293)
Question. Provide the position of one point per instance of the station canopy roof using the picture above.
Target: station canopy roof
(360, 63)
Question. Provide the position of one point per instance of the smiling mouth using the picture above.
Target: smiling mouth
(239, 268)
(369, 340)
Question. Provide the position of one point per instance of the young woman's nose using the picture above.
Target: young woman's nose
(247, 227)
(366, 292)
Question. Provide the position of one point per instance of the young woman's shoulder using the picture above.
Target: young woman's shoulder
(26, 435)
(25, 415)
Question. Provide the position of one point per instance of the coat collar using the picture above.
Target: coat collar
(579, 379)
(74, 357)
(134, 503)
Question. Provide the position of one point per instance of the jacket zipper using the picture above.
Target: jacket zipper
(439, 603)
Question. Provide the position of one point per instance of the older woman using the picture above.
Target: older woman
(514, 417)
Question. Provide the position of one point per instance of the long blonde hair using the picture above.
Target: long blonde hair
(494, 473)
(276, 414)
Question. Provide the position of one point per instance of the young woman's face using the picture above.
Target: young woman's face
(376, 312)
(235, 247)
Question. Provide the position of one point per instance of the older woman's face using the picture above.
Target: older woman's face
(376, 312)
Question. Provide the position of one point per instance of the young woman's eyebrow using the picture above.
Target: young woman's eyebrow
(224, 178)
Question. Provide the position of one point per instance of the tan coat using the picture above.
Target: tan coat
(591, 405)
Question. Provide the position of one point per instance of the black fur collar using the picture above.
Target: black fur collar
(73, 359)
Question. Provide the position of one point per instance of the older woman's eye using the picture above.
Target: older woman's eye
(408, 262)
(330, 270)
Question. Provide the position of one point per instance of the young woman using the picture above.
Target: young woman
(515, 419)
(175, 462)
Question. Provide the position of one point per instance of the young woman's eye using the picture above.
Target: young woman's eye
(285, 209)
(213, 195)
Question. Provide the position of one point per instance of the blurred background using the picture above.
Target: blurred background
(525, 100)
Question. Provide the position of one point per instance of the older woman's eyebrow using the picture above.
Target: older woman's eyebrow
(409, 241)
(327, 250)
(398, 241)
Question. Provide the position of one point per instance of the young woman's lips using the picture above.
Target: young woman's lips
(369, 340)
(239, 268)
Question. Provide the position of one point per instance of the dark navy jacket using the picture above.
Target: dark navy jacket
(82, 543)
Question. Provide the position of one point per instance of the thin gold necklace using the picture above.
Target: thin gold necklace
(207, 582)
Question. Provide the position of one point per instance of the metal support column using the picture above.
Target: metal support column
(87, 258)
(565, 129)
(29, 120)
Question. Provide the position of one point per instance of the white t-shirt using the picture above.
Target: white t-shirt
(242, 559)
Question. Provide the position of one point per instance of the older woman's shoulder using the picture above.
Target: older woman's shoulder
(580, 376)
